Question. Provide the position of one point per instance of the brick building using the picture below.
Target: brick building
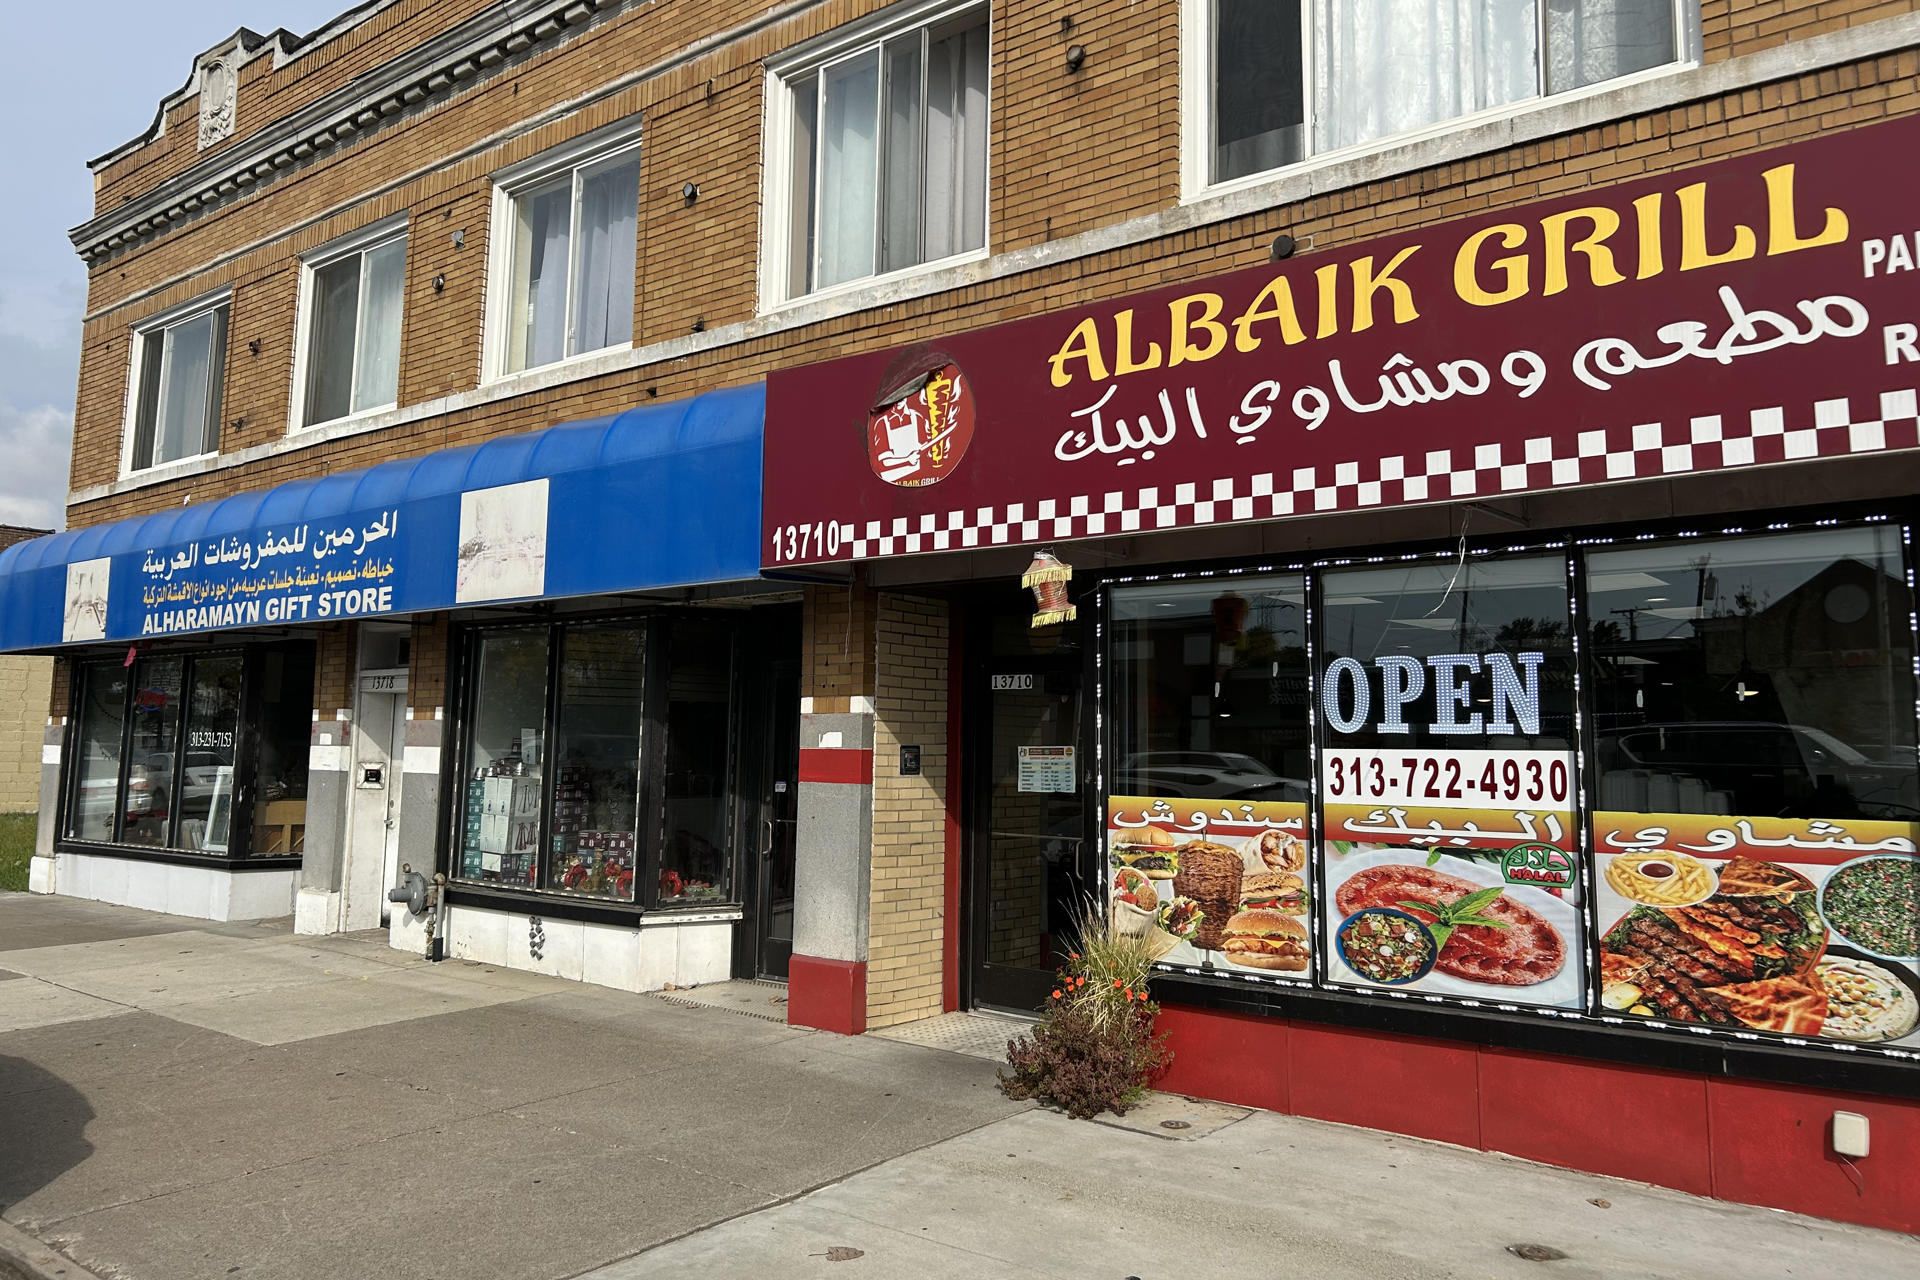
(592, 452)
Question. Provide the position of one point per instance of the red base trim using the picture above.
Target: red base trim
(836, 764)
(829, 995)
(1737, 1140)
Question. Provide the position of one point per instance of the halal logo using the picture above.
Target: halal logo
(921, 427)
(1545, 865)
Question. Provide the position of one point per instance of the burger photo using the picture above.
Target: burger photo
(1148, 850)
(1265, 940)
(1281, 891)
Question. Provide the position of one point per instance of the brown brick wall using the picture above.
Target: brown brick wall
(24, 686)
(1729, 28)
(837, 645)
(336, 661)
(428, 675)
(907, 914)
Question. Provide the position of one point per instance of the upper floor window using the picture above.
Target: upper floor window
(882, 143)
(1289, 79)
(349, 357)
(568, 236)
(179, 363)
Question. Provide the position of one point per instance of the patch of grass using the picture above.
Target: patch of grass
(16, 848)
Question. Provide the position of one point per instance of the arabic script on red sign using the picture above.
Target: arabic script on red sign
(1759, 310)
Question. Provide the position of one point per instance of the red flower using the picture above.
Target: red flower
(1117, 984)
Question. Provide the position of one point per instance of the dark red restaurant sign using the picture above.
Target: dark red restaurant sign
(1760, 310)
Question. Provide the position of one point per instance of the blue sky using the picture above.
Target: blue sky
(101, 76)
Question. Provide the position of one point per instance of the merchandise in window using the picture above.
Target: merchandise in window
(178, 370)
(198, 753)
(597, 759)
(1364, 71)
(1207, 805)
(353, 333)
(501, 832)
(1450, 845)
(1759, 797)
(888, 156)
(575, 240)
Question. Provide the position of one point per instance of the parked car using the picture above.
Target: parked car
(1761, 768)
(1206, 774)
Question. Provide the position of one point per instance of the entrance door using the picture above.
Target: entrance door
(1028, 815)
(770, 783)
(373, 810)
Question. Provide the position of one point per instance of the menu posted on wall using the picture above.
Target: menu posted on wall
(1798, 926)
(1047, 769)
(1212, 883)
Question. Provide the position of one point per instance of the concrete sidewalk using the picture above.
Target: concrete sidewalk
(180, 1099)
(186, 1100)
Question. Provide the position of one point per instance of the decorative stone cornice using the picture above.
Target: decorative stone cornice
(476, 49)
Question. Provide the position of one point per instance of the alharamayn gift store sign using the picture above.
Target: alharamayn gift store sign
(1759, 310)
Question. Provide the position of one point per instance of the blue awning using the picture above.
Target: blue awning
(667, 495)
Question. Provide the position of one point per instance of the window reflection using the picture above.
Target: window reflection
(693, 862)
(1765, 676)
(1211, 685)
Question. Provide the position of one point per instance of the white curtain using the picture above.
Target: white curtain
(1386, 66)
(900, 245)
(382, 280)
(609, 235)
(1593, 40)
(330, 341)
(956, 208)
(540, 292)
(848, 169)
(183, 389)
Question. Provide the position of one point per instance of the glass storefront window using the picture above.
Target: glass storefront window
(1755, 820)
(501, 835)
(153, 728)
(97, 741)
(207, 772)
(197, 752)
(283, 721)
(693, 860)
(1211, 696)
(596, 769)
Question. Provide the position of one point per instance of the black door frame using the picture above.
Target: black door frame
(769, 717)
(977, 612)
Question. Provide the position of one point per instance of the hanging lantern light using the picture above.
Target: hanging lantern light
(1048, 576)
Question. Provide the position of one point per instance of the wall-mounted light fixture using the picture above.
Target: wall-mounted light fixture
(1283, 247)
(689, 193)
(439, 283)
(253, 346)
(459, 238)
(1076, 54)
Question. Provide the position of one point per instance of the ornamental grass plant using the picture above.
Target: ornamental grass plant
(1094, 1048)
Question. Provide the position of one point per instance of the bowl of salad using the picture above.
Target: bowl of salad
(1386, 946)
(1874, 903)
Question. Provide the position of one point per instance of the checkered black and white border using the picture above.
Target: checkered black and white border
(1642, 451)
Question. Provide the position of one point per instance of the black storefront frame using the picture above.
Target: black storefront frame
(650, 792)
(1599, 1036)
(239, 855)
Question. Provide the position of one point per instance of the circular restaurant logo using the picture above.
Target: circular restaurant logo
(922, 423)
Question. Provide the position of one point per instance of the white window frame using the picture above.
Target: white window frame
(136, 360)
(368, 238)
(1196, 98)
(776, 208)
(615, 141)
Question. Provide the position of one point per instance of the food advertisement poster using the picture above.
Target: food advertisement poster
(1801, 927)
(1212, 883)
(1455, 876)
